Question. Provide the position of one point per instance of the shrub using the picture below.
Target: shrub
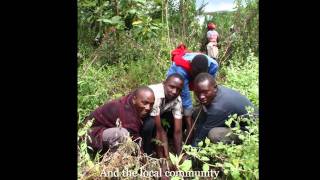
(233, 161)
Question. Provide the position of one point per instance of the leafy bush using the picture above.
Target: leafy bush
(125, 45)
(234, 161)
(98, 82)
(243, 77)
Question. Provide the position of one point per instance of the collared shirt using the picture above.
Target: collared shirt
(160, 105)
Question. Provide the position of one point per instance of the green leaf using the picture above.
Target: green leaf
(82, 132)
(207, 141)
(203, 152)
(186, 165)
(228, 122)
(132, 11)
(117, 95)
(192, 154)
(89, 4)
(105, 20)
(186, 146)
(242, 137)
(136, 22)
(200, 144)
(116, 18)
(180, 157)
(229, 165)
(205, 158)
(173, 158)
(235, 174)
(90, 164)
(140, 1)
(236, 162)
(175, 178)
(205, 167)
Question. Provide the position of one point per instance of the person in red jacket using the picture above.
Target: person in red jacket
(189, 64)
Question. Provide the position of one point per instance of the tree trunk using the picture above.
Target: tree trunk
(183, 19)
(116, 12)
(167, 21)
(116, 7)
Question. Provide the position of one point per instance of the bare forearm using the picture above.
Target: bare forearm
(158, 122)
(162, 150)
(177, 138)
(177, 141)
(165, 145)
(188, 121)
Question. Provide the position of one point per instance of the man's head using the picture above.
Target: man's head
(143, 99)
(173, 86)
(199, 64)
(205, 88)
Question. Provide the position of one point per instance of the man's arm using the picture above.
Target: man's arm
(185, 95)
(187, 105)
(215, 117)
(177, 137)
(162, 136)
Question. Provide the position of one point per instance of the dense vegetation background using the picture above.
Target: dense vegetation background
(123, 44)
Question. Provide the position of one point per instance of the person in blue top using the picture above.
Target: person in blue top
(189, 65)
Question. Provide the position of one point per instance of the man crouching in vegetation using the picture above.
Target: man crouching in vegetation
(218, 102)
(167, 106)
(119, 118)
(189, 65)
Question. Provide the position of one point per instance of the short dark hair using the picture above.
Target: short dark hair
(199, 64)
(203, 77)
(176, 75)
(141, 89)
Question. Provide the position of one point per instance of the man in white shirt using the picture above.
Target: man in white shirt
(167, 105)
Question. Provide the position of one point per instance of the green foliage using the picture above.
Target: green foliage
(246, 23)
(184, 26)
(243, 77)
(97, 84)
(176, 160)
(235, 161)
(165, 124)
(223, 21)
(237, 42)
(101, 16)
(85, 163)
(124, 44)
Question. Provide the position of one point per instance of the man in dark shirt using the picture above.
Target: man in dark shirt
(119, 118)
(218, 103)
